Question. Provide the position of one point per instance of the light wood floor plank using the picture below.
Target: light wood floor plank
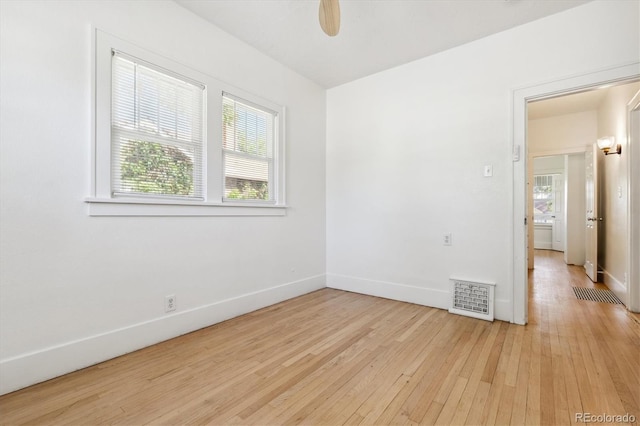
(474, 382)
(519, 412)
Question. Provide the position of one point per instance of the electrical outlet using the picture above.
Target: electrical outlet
(447, 239)
(170, 303)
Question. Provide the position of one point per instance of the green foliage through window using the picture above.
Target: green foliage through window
(244, 128)
(151, 167)
(247, 189)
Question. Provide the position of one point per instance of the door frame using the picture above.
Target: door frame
(519, 195)
(530, 173)
(559, 227)
(592, 210)
(633, 205)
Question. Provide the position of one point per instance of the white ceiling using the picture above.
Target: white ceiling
(568, 104)
(374, 35)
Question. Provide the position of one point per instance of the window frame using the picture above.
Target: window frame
(132, 129)
(102, 202)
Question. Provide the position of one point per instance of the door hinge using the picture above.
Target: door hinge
(525, 220)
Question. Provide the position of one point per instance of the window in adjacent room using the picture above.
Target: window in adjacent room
(544, 195)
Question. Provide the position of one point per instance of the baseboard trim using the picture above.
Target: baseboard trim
(407, 293)
(35, 367)
(539, 245)
(617, 287)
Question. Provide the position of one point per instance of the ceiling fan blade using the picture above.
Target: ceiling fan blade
(330, 17)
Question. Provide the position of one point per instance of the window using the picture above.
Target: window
(156, 131)
(170, 140)
(543, 199)
(247, 142)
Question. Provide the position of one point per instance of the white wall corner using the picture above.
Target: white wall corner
(34, 367)
(503, 310)
(389, 290)
(618, 287)
(430, 297)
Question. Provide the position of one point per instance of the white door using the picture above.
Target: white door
(591, 204)
(557, 229)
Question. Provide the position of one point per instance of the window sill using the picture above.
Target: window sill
(134, 207)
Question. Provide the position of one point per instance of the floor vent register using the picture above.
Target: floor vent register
(596, 295)
(472, 298)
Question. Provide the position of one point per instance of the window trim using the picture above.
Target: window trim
(165, 207)
(273, 178)
(130, 125)
(101, 202)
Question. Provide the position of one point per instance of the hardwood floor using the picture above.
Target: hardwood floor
(332, 357)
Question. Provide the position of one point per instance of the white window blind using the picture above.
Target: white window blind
(248, 133)
(156, 131)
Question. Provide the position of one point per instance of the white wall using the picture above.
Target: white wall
(543, 238)
(406, 150)
(548, 165)
(613, 173)
(562, 133)
(77, 289)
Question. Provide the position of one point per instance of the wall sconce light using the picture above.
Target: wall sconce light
(608, 145)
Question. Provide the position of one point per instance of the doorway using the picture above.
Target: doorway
(523, 98)
(602, 217)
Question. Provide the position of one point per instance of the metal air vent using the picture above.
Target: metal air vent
(472, 298)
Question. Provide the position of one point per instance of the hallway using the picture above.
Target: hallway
(590, 350)
(551, 282)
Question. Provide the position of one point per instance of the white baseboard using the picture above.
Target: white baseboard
(34, 367)
(406, 293)
(542, 245)
(617, 287)
(388, 290)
